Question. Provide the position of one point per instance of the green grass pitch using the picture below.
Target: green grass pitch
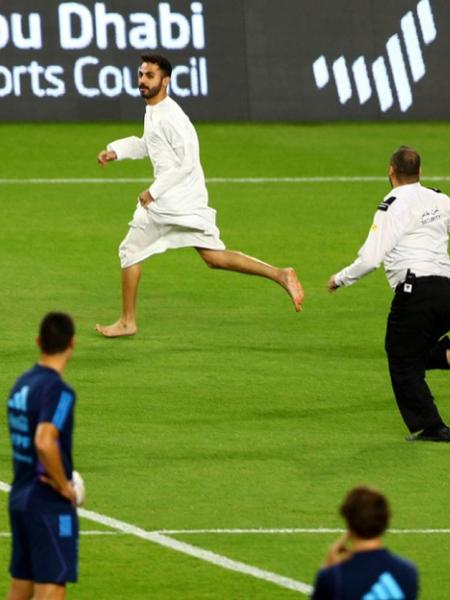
(228, 409)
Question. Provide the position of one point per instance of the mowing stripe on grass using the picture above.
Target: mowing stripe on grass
(292, 530)
(220, 180)
(196, 552)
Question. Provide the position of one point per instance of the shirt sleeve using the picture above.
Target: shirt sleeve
(448, 213)
(183, 145)
(130, 147)
(57, 405)
(387, 229)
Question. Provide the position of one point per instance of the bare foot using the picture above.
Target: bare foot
(294, 288)
(117, 329)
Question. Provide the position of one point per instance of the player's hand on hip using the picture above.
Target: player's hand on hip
(67, 491)
(106, 156)
(145, 198)
(332, 285)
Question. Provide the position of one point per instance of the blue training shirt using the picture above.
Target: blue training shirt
(38, 396)
(371, 575)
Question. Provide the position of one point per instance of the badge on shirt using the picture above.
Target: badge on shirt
(386, 203)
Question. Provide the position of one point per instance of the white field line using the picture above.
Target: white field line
(219, 180)
(294, 530)
(202, 554)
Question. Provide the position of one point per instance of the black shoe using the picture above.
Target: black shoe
(436, 434)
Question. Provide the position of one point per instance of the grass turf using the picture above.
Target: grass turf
(228, 409)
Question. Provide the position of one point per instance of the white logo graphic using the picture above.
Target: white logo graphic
(81, 28)
(396, 61)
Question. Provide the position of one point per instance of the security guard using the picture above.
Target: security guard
(410, 234)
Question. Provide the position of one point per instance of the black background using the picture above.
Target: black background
(260, 55)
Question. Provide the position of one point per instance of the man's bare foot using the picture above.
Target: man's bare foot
(294, 288)
(117, 329)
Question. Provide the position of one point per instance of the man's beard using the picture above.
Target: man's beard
(147, 92)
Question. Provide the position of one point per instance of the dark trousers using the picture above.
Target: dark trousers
(414, 344)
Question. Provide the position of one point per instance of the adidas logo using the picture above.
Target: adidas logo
(399, 80)
(386, 588)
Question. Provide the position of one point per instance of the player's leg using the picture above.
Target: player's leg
(49, 591)
(20, 589)
(126, 324)
(241, 263)
(54, 552)
(20, 568)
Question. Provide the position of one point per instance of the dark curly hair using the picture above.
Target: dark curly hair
(366, 512)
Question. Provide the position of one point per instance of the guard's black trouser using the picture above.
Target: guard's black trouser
(415, 326)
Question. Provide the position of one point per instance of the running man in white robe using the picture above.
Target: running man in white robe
(174, 211)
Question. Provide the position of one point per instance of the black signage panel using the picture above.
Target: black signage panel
(291, 60)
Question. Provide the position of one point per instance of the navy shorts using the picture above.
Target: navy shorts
(44, 546)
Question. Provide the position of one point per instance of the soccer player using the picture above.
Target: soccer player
(42, 500)
(357, 566)
(174, 211)
(410, 233)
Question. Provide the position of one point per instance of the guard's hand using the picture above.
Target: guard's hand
(106, 156)
(145, 198)
(332, 285)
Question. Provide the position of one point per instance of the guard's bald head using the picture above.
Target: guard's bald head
(405, 163)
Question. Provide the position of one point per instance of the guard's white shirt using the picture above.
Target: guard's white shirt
(171, 143)
(410, 231)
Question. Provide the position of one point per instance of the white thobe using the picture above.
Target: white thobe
(180, 215)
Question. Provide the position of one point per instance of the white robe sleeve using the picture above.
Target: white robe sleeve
(184, 146)
(386, 231)
(130, 147)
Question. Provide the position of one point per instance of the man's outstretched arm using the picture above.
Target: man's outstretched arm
(383, 236)
(131, 147)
